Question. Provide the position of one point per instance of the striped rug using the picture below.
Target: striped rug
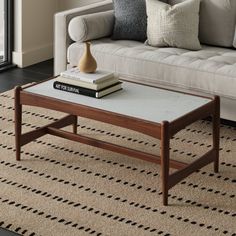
(66, 188)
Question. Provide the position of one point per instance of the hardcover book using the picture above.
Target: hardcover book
(80, 83)
(97, 77)
(85, 91)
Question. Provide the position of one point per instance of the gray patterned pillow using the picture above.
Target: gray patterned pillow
(130, 20)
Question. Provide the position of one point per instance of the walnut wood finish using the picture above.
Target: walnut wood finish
(146, 127)
(163, 131)
(113, 147)
(177, 176)
(165, 159)
(75, 124)
(216, 132)
(202, 112)
(34, 134)
(18, 121)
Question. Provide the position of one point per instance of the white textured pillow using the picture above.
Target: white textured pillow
(217, 21)
(175, 26)
(91, 26)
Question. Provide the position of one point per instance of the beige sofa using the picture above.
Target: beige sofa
(210, 71)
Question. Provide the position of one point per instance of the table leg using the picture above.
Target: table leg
(216, 132)
(165, 152)
(75, 125)
(18, 121)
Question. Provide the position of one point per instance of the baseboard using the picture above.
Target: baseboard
(7, 67)
(33, 56)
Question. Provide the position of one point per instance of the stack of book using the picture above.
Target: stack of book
(96, 84)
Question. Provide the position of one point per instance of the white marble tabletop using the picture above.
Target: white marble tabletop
(144, 102)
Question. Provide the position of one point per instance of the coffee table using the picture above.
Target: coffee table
(153, 111)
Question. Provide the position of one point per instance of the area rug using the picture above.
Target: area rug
(65, 188)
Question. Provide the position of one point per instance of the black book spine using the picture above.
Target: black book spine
(74, 89)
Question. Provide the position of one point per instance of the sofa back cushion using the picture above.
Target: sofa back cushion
(130, 20)
(217, 21)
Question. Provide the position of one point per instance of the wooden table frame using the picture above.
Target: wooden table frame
(163, 132)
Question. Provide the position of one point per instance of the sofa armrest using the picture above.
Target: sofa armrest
(61, 36)
(91, 26)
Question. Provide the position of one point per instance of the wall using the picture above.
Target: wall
(1, 29)
(34, 28)
(68, 4)
(33, 31)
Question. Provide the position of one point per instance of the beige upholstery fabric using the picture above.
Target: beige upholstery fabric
(217, 21)
(211, 70)
(175, 26)
(61, 36)
(91, 26)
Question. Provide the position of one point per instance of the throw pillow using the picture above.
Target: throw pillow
(175, 26)
(217, 21)
(130, 20)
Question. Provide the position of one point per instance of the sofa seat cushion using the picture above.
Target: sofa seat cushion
(210, 70)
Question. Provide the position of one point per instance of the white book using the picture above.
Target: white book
(109, 90)
(96, 77)
(80, 83)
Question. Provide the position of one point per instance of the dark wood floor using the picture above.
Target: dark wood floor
(4, 232)
(16, 76)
